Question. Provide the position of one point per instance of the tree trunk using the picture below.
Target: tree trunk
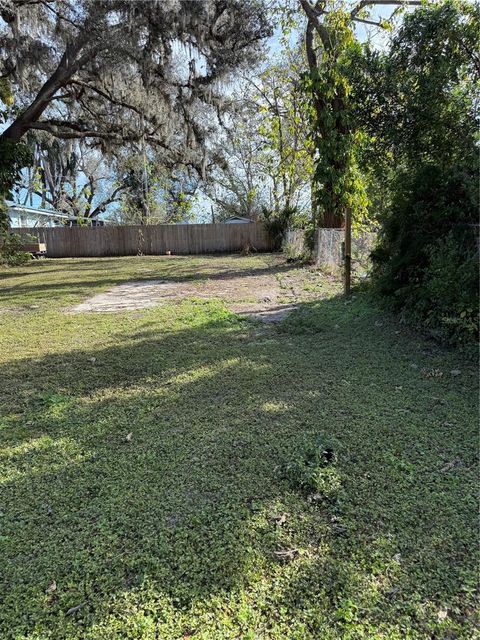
(332, 218)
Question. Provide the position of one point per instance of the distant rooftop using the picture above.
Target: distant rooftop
(236, 219)
(24, 214)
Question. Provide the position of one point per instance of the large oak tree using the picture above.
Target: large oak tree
(119, 70)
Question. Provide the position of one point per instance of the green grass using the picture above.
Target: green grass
(193, 527)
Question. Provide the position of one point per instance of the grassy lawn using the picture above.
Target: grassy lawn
(152, 465)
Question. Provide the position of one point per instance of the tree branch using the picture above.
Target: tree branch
(372, 22)
(108, 96)
(46, 4)
(68, 65)
(311, 55)
(365, 3)
(101, 207)
(313, 14)
(74, 131)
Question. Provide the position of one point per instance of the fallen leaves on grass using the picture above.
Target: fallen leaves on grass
(73, 610)
(432, 373)
(451, 465)
(52, 587)
(280, 519)
(286, 555)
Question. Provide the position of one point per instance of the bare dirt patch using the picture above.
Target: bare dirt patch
(257, 293)
(137, 294)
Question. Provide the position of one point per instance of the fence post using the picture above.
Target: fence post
(348, 251)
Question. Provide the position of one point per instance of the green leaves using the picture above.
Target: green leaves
(314, 471)
(421, 96)
(6, 94)
(338, 184)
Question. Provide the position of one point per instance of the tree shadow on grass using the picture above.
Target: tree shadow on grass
(53, 265)
(168, 270)
(141, 481)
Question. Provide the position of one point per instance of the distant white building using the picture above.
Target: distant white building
(237, 220)
(22, 216)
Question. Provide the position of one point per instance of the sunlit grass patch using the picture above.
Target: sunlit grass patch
(144, 492)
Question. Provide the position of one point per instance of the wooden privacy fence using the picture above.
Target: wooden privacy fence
(77, 242)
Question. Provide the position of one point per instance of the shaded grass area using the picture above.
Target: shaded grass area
(68, 280)
(142, 485)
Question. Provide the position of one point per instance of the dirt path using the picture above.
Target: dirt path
(258, 293)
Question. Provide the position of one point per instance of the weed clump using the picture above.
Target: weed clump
(314, 471)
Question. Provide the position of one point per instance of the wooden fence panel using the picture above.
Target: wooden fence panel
(180, 239)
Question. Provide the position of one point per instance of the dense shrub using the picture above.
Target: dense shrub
(451, 283)
(12, 158)
(11, 253)
(418, 101)
(278, 223)
(426, 262)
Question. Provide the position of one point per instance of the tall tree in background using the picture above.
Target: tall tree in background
(69, 177)
(149, 194)
(264, 160)
(236, 180)
(288, 151)
(119, 70)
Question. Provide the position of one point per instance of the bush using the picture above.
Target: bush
(13, 157)
(425, 264)
(11, 253)
(277, 224)
(450, 286)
